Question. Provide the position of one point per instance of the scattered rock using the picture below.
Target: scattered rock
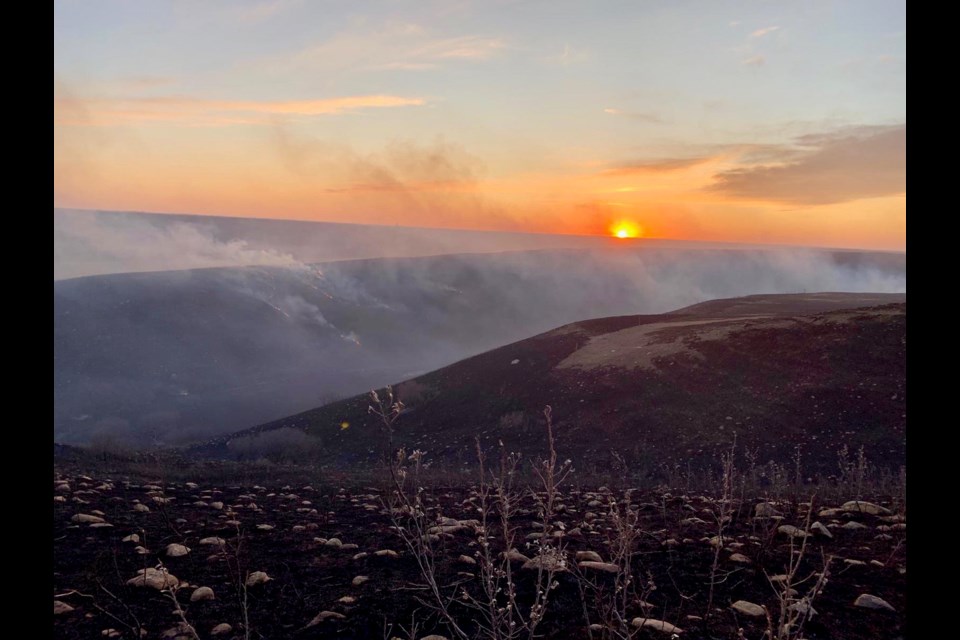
(739, 558)
(803, 607)
(324, 616)
(868, 601)
(258, 577)
(765, 510)
(515, 556)
(134, 538)
(359, 580)
(656, 625)
(334, 543)
(176, 550)
(202, 593)
(86, 518)
(748, 608)
(792, 531)
(588, 556)
(348, 600)
(608, 567)
(821, 529)
(158, 579)
(141, 508)
(386, 553)
(221, 629)
(853, 526)
(464, 559)
(865, 507)
(182, 631)
(213, 540)
(60, 607)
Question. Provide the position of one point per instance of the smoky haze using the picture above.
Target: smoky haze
(177, 356)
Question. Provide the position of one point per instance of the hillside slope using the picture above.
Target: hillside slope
(671, 389)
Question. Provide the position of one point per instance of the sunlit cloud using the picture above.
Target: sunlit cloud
(664, 165)
(635, 115)
(759, 33)
(850, 164)
(754, 61)
(204, 112)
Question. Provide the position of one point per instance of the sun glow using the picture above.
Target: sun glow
(626, 229)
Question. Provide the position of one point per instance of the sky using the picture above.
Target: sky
(741, 121)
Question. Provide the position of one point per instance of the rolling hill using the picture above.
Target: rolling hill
(172, 357)
(818, 371)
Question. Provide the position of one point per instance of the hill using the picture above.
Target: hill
(174, 357)
(818, 371)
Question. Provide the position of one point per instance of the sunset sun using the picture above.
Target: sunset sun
(625, 229)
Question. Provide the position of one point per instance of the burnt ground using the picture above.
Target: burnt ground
(310, 577)
(777, 376)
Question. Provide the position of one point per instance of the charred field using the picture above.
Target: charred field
(314, 540)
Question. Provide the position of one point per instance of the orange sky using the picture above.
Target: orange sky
(768, 128)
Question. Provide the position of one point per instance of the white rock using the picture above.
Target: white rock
(257, 577)
(176, 550)
(588, 556)
(221, 629)
(739, 558)
(213, 540)
(656, 625)
(141, 508)
(765, 510)
(853, 526)
(60, 607)
(386, 553)
(359, 580)
(202, 593)
(85, 518)
(134, 538)
(868, 601)
(748, 608)
(607, 567)
(158, 579)
(865, 507)
(792, 531)
(819, 527)
(324, 616)
(333, 542)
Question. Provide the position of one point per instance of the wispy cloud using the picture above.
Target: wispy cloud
(754, 61)
(660, 165)
(569, 57)
(390, 47)
(635, 115)
(463, 48)
(759, 33)
(264, 10)
(205, 112)
(849, 164)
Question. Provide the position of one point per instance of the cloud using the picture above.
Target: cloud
(463, 47)
(754, 61)
(635, 115)
(387, 47)
(662, 165)
(264, 10)
(759, 33)
(204, 112)
(844, 165)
